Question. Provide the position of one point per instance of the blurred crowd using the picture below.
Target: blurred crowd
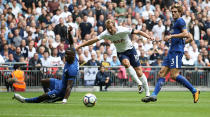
(36, 31)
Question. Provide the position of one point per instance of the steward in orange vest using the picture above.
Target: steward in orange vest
(18, 79)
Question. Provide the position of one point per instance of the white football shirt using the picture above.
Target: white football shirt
(120, 39)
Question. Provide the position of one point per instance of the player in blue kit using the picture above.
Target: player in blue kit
(173, 61)
(60, 89)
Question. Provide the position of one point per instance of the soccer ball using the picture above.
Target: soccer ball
(89, 100)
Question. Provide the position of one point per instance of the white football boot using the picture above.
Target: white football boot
(19, 98)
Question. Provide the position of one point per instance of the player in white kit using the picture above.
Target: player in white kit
(125, 50)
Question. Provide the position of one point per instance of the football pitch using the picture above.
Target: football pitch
(109, 104)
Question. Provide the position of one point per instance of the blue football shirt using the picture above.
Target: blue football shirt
(177, 44)
(70, 72)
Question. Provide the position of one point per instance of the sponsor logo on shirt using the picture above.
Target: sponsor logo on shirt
(118, 41)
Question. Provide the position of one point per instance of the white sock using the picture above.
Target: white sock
(133, 74)
(145, 84)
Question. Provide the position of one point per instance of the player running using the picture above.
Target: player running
(125, 50)
(173, 61)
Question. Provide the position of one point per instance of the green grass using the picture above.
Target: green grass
(110, 104)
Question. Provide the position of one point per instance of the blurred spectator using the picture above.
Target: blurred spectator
(154, 54)
(82, 62)
(61, 29)
(101, 22)
(187, 60)
(35, 63)
(65, 13)
(199, 61)
(159, 30)
(27, 4)
(102, 78)
(18, 54)
(98, 11)
(61, 50)
(87, 55)
(158, 62)
(53, 5)
(85, 27)
(55, 59)
(45, 60)
(109, 55)
(205, 57)
(99, 55)
(5, 56)
(115, 61)
(11, 60)
(49, 32)
(143, 59)
(6, 49)
(187, 18)
(41, 52)
(195, 30)
(104, 62)
(24, 49)
(151, 22)
(17, 39)
(31, 50)
(206, 37)
(57, 41)
(121, 12)
(93, 61)
(1, 59)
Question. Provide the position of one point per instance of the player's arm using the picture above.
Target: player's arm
(189, 38)
(86, 43)
(184, 34)
(142, 33)
(68, 91)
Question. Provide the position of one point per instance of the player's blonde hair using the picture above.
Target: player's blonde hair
(109, 21)
(178, 7)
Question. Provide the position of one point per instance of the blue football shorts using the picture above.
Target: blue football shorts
(173, 60)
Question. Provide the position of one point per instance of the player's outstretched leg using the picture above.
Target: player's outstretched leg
(182, 80)
(19, 98)
(143, 79)
(133, 74)
(131, 71)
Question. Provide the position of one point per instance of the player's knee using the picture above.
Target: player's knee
(160, 73)
(139, 72)
(173, 76)
(126, 63)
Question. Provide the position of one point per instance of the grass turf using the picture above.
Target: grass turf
(109, 104)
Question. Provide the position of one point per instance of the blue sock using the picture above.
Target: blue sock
(181, 79)
(31, 100)
(160, 83)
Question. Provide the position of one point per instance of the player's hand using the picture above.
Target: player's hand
(64, 101)
(167, 38)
